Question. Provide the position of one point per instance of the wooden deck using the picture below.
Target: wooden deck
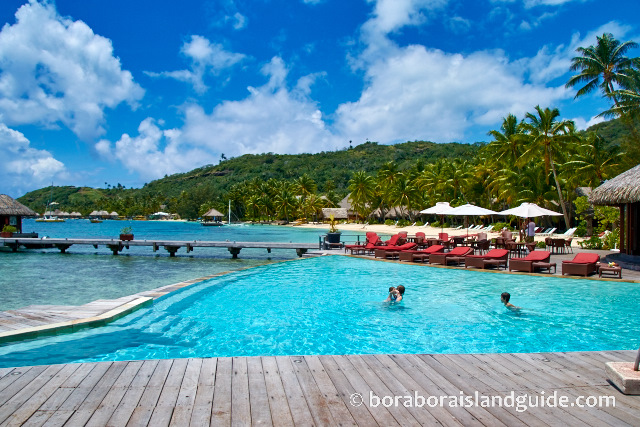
(315, 390)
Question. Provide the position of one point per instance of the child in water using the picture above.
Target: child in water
(505, 297)
(395, 294)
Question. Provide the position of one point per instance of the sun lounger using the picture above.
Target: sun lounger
(493, 258)
(414, 256)
(526, 263)
(582, 264)
(389, 251)
(548, 232)
(456, 255)
(458, 228)
(372, 239)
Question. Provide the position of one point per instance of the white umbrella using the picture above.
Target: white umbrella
(529, 210)
(438, 209)
(468, 209)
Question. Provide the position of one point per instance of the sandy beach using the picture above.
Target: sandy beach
(411, 230)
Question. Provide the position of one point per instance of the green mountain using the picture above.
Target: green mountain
(331, 170)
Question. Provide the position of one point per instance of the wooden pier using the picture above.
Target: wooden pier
(170, 246)
(322, 391)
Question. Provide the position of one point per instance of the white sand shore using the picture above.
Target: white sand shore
(411, 230)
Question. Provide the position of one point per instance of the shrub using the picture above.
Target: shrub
(389, 222)
(9, 229)
(500, 225)
(541, 245)
(611, 240)
(593, 243)
(435, 224)
(581, 229)
(419, 223)
(126, 230)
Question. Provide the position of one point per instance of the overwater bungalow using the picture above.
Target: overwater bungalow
(12, 211)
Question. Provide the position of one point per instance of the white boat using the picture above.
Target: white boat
(48, 215)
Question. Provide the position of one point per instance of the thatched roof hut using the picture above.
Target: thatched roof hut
(623, 191)
(12, 211)
(213, 213)
(624, 188)
(338, 213)
(9, 206)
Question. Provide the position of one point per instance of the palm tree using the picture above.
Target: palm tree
(602, 66)
(507, 144)
(548, 138)
(628, 98)
(362, 188)
(594, 162)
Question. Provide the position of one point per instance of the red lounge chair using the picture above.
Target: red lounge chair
(526, 263)
(371, 240)
(420, 255)
(393, 240)
(456, 255)
(582, 264)
(493, 258)
(392, 251)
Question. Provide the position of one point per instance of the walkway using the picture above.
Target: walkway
(323, 391)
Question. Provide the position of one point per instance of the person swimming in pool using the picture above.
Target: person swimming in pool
(505, 297)
(393, 294)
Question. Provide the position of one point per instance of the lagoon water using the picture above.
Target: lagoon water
(85, 274)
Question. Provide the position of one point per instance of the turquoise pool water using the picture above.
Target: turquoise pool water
(86, 274)
(333, 305)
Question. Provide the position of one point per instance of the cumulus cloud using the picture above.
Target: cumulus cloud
(24, 167)
(204, 58)
(427, 93)
(55, 70)
(272, 118)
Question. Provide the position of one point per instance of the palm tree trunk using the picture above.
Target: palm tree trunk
(564, 208)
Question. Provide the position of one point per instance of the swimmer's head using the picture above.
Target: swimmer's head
(505, 297)
(391, 289)
(400, 289)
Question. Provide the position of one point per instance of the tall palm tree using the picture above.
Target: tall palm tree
(602, 66)
(507, 144)
(362, 190)
(548, 138)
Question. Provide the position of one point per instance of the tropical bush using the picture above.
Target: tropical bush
(594, 242)
(9, 229)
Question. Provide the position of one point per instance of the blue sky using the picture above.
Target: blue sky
(121, 91)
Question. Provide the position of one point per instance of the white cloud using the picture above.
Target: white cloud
(55, 70)
(204, 58)
(582, 124)
(534, 3)
(271, 119)
(425, 93)
(24, 167)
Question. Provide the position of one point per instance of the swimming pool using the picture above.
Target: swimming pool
(333, 305)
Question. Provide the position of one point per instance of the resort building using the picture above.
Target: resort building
(623, 191)
(12, 211)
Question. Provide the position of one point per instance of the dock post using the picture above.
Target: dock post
(301, 251)
(115, 248)
(172, 250)
(234, 252)
(63, 248)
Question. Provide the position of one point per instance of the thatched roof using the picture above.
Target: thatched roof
(213, 213)
(624, 188)
(338, 213)
(9, 206)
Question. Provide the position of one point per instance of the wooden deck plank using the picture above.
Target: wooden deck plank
(260, 412)
(149, 399)
(298, 405)
(361, 391)
(161, 415)
(201, 414)
(278, 404)
(27, 408)
(221, 406)
(390, 364)
(378, 387)
(332, 396)
(15, 381)
(116, 393)
(318, 405)
(240, 404)
(96, 395)
(400, 388)
(423, 375)
(187, 394)
(345, 390)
